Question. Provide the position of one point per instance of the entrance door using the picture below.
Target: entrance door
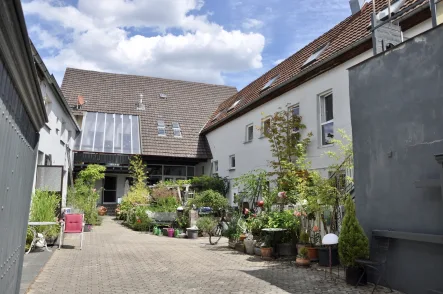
(110, 190)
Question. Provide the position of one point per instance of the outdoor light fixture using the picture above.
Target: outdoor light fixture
(330, 239)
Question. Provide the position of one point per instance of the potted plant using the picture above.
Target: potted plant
(102, 210)
(302, 257)
(312, 248)
(352, 244)
(303, 240)
(266, 249)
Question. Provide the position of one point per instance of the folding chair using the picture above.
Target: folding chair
(377, 260)
(73, 224)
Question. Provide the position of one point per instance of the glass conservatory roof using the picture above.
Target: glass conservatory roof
(110, 133)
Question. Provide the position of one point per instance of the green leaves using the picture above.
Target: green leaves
(216, 183)
(44, 206)
(206, 223)
(210, 198)
(352, 243)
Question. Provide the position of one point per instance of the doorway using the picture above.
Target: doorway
(110, 190)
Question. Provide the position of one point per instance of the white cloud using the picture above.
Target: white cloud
(44, 39)
(101, 37)
(252, 23)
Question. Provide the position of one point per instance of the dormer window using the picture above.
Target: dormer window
(316, 54)
(234, 105)
(269, 83)
(176, 129)
(161, 128)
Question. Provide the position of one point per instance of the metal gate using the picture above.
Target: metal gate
(18, 140)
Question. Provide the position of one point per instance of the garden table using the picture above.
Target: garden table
(35, 238)
(275, 235)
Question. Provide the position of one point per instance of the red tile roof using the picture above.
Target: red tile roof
(340, 38)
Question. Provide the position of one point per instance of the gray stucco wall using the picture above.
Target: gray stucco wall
(397, 125)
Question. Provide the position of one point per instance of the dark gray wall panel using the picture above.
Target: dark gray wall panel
(397, 125)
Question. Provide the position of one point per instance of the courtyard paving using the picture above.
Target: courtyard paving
(116, 260)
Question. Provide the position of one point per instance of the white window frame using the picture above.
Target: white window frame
(232, 167)
(322, 113)
(161, 126)
(215, 166)
(176, 129)
(262, 129)
(290, 109)
(247, 139)
(234, 105)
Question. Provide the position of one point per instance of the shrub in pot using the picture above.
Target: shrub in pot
(266, 249)
(352, 244)
(303, 241)
(302, 257)
(206, 224)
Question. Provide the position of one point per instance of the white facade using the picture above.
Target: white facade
(57, 136)
(230, 139)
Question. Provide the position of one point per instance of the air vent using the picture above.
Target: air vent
(140, 105)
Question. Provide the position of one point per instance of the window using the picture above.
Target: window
(249, 133)
(215, 166)
(234, 105)
(176, 129)
(265, 126)
(203, 169)
(232, 162)
(161, 128)
(326, 119)
(315, 55)
(269, 83)
(108, 132)
(295, 112)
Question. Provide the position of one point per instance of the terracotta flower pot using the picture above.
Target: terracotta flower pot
(266, 252)
(312, 253)
(242, 237)
(302, 261)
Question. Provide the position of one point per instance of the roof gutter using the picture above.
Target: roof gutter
(296, 77)
(53, 83)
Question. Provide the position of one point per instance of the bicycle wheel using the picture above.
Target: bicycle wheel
(215, 235)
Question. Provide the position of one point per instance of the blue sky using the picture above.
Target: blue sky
(228, 42)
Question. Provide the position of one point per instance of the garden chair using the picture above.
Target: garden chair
(377, 260)
(73, 224)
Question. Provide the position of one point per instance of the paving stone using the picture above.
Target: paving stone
(115, 259)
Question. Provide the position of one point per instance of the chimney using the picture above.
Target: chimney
(140, 105)
(356, 5)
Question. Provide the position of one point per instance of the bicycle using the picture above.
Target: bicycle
(216, 233)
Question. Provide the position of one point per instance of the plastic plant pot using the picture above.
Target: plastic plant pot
(192, 233)
(171, 233)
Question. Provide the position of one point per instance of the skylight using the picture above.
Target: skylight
(176, 129)
(110, 133)
(161, 128)
(316, 54)
(163, 96)
(234, 104)
(269, 83)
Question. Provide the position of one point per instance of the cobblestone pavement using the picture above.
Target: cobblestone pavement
(116, 260)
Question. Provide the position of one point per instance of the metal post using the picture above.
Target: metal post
(433, 13)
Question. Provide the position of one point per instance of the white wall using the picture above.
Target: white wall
(229, 139)
(54, 139)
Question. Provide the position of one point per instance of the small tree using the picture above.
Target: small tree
(253, 185)
(287, 145)
(138, 193)
(352, 243)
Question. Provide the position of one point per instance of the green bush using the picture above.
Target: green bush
(216, 183)
(206, 224)
(84, 196)
(235, 227)
(303, 253)
(352, 243)
(139, 219)
(210, 198)
(44, 207)
(168, 204)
